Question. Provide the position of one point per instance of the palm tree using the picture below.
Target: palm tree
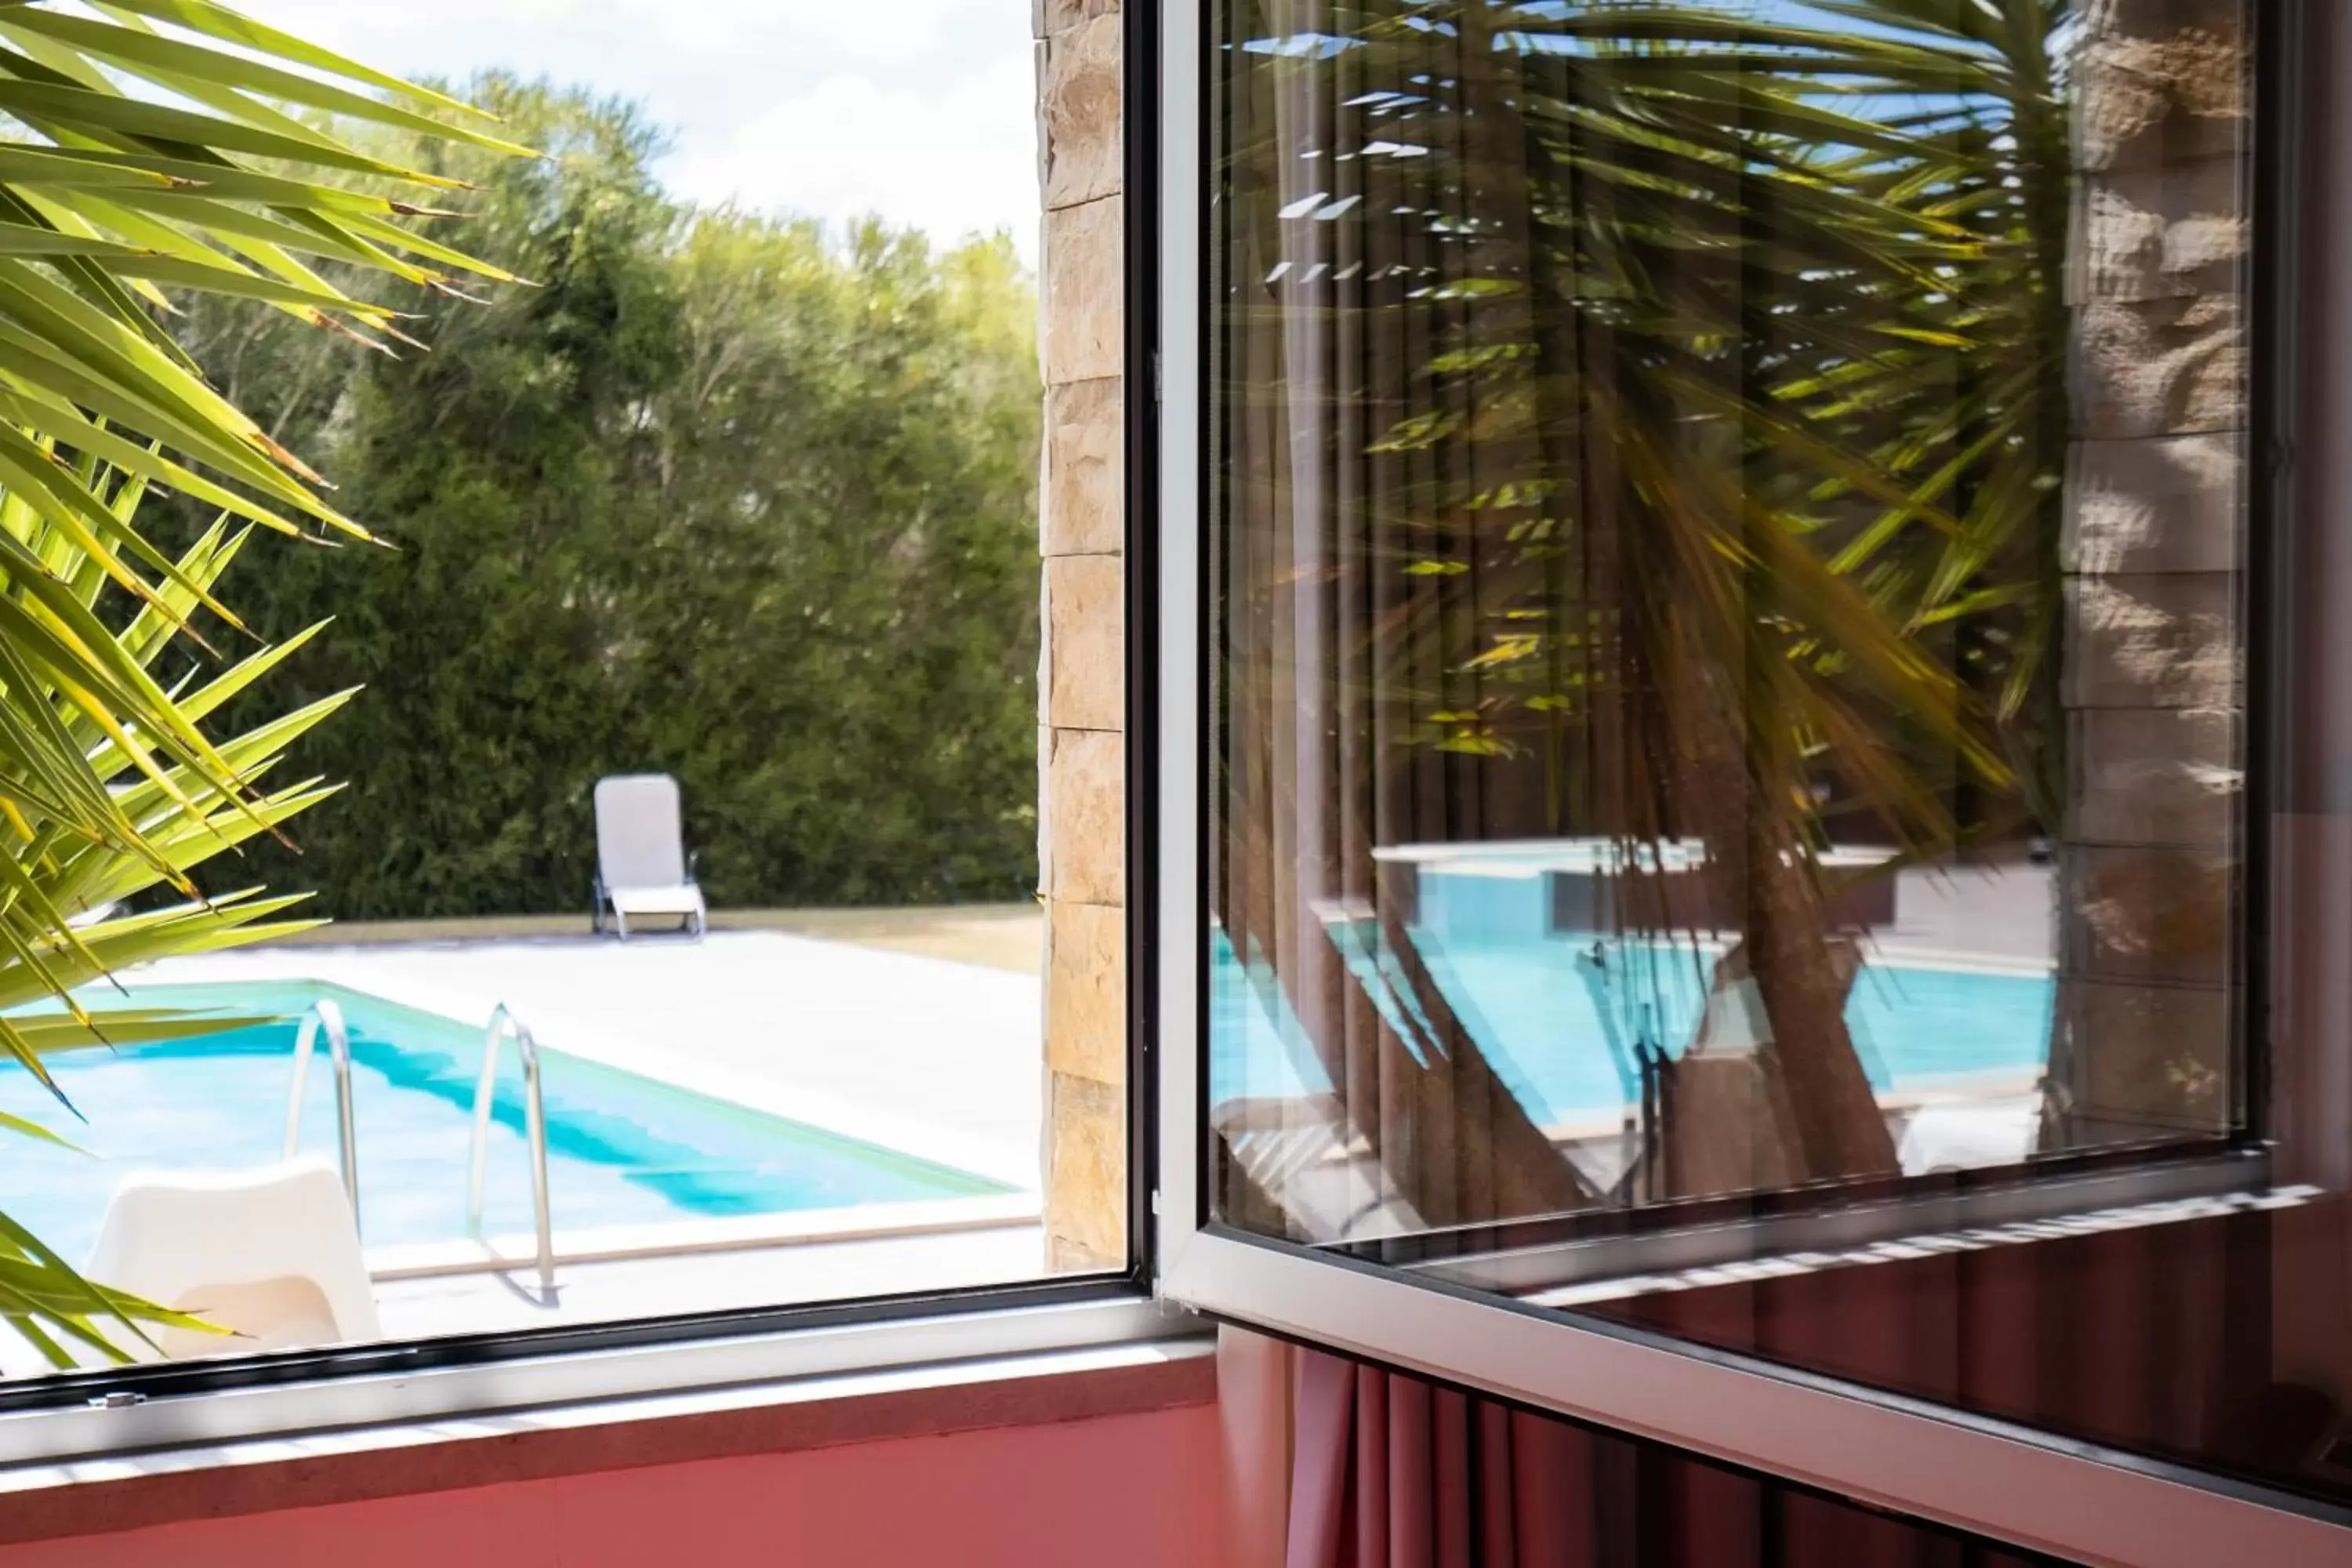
(156, 147)
(183, 817)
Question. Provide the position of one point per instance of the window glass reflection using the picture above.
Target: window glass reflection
(1726, 654)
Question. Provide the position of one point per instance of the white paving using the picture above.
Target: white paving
(935, 1057)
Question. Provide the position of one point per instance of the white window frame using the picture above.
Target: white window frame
(2037, 1490)
(212, 1417)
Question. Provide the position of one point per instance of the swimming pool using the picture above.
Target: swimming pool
(622, 1149)
(1558, 1028)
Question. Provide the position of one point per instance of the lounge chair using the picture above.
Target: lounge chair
(642, 866)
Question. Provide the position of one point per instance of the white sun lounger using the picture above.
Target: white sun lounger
(642, 866)
(273, 1254)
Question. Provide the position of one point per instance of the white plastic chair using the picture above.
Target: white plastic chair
(272, 1253)
(642, 866)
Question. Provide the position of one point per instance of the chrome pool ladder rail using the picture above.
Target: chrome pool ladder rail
(323, 1014)
(505, 1025)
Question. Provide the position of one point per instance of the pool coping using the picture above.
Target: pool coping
(732, 1233)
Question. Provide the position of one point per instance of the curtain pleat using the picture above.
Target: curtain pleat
(1411, 1440)
(1490, 1462)
(1452, 1512)
(1324, 1456)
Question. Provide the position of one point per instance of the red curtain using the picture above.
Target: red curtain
(1388, 1471)
(2156, 1338)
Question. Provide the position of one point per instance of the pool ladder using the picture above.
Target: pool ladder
(504, 1026)
(325, 1018)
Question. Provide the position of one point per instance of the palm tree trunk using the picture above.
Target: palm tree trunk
(1802, 970)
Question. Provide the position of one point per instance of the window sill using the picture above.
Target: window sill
(104, 1495)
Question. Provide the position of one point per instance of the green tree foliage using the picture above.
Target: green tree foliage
(720, 496)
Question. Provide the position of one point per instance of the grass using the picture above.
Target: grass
(998, 936)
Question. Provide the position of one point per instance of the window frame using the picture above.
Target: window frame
(2036, 1489)
(168, 1405)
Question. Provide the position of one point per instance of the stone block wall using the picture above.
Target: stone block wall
(2153, 673)
(1082, 683)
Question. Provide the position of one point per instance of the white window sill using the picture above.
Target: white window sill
(112, 1493)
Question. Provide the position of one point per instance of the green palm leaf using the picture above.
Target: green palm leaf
(167, 148)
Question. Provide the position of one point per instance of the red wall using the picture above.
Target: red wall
(1133, 1491)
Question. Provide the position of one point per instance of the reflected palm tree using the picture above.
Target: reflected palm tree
(1645, 424)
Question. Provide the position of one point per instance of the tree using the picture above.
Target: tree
(722, 495)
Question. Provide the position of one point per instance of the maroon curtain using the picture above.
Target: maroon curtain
(1388, 1471)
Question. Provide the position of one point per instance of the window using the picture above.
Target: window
(1739, 681)
(681, 880)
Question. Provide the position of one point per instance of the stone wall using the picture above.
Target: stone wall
(2152, 681)
(1082, 682)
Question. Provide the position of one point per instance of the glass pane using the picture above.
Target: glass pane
(621, 898)
(1727, 648)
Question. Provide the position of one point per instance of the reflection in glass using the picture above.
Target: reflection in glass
(1725, 556)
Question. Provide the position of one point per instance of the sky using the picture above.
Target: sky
(921, 112)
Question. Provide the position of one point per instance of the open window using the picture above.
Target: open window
(1739, 653)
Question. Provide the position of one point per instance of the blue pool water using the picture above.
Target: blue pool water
(622, 1150)
(1558, 1029)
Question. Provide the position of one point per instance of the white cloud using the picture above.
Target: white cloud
(952, 163)
(921, 113)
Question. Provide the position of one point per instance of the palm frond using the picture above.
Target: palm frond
(165, 149)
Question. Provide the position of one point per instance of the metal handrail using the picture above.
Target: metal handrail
(503, 1023)
(324, 1014)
